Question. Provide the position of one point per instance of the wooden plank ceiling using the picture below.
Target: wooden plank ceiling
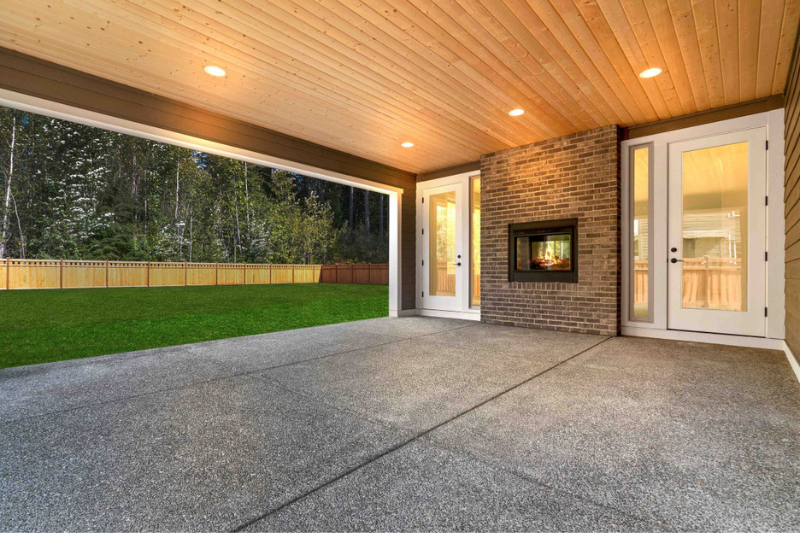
(364, 76)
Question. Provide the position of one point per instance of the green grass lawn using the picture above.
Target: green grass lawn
(41, 326)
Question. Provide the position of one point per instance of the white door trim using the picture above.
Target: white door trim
(463, 179)
(472, 314)
(773, 120)
(708, 338)
(752, 321)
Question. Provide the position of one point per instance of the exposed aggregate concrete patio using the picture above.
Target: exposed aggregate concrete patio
(401, 424)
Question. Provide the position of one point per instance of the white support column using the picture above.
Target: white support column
(776, 282)
(395, 254)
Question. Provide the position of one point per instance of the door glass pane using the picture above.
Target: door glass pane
(475, 228)
(641, 233)
(715, 228)
(442, 268)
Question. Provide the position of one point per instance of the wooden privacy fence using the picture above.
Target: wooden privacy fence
(708, 283)
(711, 283)
(362, 274)
(445, 277)
(640, 282)
(67, 274)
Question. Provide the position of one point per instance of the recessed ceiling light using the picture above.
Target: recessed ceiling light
(407, 144)
(215, 71)
(516, 112)
(650, 73)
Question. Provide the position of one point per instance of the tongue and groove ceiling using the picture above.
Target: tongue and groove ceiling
(363, 76)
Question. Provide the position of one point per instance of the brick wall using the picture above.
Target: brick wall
(576, 176)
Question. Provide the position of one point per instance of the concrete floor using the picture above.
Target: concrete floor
(399, 424)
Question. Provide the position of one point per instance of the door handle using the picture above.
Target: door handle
(673, 260)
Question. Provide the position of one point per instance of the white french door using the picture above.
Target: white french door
(717, 234)
(445, 247)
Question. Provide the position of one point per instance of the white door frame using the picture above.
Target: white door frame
(424, 307)
(752, 321)
(106, 122)
(773, 121)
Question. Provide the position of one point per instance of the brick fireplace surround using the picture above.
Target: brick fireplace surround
(576, 176)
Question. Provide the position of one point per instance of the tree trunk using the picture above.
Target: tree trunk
(143, 189)
(352, 217)
(19, 227)
(180, 240)
(134, 176)
(366, 213)
(381, 222)
(177, 187)
(9, 177)
(236, 214)
(246, 198)
(191, 232)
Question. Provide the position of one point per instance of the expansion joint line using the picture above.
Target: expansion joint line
(410, 440)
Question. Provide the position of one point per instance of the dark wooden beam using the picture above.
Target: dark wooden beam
(449, 171)
(35, 77)
(705, 117)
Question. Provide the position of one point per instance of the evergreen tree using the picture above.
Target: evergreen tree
(77, 192)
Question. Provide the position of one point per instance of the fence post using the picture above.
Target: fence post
(8, 273)
(148, 273)
(216, 274)
(293, 269)
(106, 273)
(61, 276)
(185, 274)
(244, 274)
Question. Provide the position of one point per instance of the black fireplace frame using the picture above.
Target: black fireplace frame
(569, 225)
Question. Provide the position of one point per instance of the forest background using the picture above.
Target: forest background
(77, 192)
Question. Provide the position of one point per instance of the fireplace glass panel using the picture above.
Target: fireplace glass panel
(544, 252)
